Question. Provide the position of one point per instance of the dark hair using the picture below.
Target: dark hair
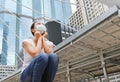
(32, 26)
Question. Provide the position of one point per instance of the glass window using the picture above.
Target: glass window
(47, 8)
(10, 5)
(58, 10)
(10, 36)
(26, 11)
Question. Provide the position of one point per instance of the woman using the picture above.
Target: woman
(40, 63)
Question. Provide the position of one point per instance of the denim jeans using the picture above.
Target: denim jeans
(42, 69)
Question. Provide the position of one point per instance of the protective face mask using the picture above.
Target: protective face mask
(41, 28)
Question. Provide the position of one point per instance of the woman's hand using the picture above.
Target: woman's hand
(45, 35)
(37, 34)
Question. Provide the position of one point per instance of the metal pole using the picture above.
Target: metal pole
(100, 79)
(68, 73)
(88, 80)
(95, 79)
(104, 67)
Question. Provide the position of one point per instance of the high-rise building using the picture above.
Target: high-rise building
(7, 25)
(110, 3)
(3, 56)
(18, 15)
(87, 11)
(54, 9)
(1, 35)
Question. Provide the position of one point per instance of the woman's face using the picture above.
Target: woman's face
(34, 29)
(37, 23)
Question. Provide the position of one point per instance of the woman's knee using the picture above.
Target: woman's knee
(54, 57)
(42, 57)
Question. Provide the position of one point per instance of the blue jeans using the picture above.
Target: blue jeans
(42, 69)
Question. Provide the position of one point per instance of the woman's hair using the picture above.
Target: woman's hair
(32, 26)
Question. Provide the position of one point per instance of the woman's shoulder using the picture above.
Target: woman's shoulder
(28, 40)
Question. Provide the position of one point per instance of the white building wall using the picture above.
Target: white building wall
(87, 11)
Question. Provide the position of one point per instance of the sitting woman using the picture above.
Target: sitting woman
(40, 63)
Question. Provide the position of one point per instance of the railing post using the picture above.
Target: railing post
(104, 67)
(68, 73)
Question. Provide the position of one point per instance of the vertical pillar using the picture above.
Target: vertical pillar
(18, 11)
(68, 73)
(88, 80)
(104, 67)
(95, 79)
(100, 79)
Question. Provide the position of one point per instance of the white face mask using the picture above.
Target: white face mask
(41, 28)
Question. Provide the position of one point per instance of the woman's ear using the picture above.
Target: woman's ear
(33, 30)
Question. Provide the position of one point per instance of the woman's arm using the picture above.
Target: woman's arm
(47, 48)
(30, 49)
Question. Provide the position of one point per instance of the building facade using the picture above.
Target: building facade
(1, 35)
(3, 56)
(87, 11)
(7, 26)
(18, 15)
(51, 9)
